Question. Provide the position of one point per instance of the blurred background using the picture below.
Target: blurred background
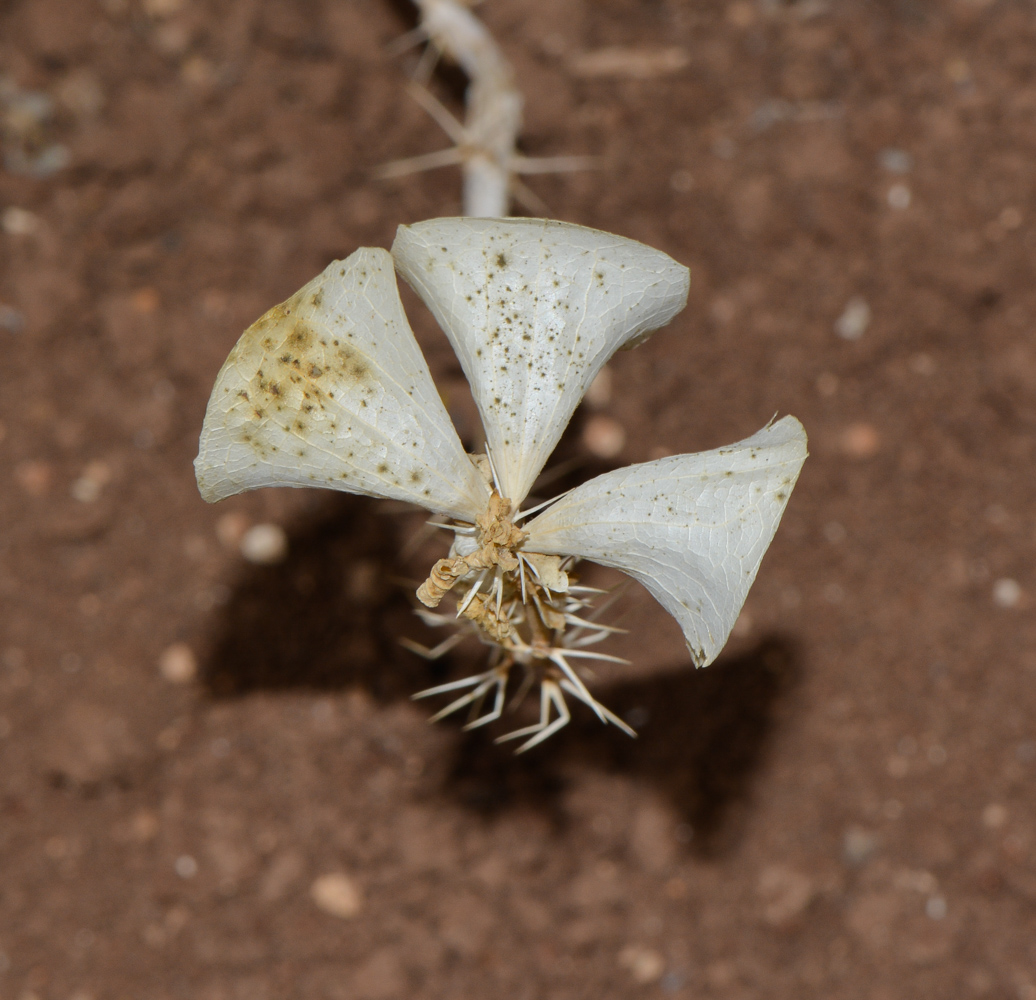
(212, 781)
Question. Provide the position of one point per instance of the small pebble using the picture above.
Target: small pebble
(599, 393)
(186, 866)
(896, 161)
(644, 964)
(855, 319)
(146, 300)
(178, 664)
(19, 221)
(195, 548)
(144, 826)
(834, 593)
(936, 755)
(11, 320)
(858, 846)
(785, 894)
(834, 532)
(741, 14)
(827, 384)
(1007, 593)
(915, 880)
(958, 70)
(604, 436)
(743, 626)
(899, 196)
(681, 181)
(338, 895)
(231, 528)
(264, 544)
(197, 71)
(724, 148)
(997, 514)
(1010, 218)
(994, 816)
(361, 581)
(922, 364)
(723, 309)
(87, 488)
(34, 476)
(80, 92)
(936, 908)
(860, 441)
(162, 8)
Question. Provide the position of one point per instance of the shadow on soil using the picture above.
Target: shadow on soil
(703, 737)
(330, 617)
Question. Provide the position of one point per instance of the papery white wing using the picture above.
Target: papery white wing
(330, 389)
(533, 309)
(691, 528)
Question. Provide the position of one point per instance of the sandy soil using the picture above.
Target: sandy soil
(842, 807)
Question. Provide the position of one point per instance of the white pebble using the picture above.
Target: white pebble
(230, 529)
(599, 392)
(338, 895)
(858, 846)
(994, 816)
(19, 221)
(11, 319)
(265, 544)
(896, 161)
(855, 319)
(834, 532)
(1007, 593)
(936, 908)
(178, 664)
(644, 964)
(899, 196)
(186, 866)
(604, 436)
(87, 488)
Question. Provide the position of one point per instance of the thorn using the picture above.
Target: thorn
(418, 164)
(471, 593)
(559, 659)
(606, 657)
(453, 128)
(609, 715)
(558, 700)
(540, 506)
(554, 164)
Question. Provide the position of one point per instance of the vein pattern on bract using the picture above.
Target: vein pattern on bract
(330, 389)
(534, 308)
(692, 529)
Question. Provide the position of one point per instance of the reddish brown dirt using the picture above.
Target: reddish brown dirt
(842, 807)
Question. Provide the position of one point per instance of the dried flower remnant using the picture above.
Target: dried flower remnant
(330, 389)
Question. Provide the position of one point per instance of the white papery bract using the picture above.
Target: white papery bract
(330, 389)
(691, 528)
(534, 309)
